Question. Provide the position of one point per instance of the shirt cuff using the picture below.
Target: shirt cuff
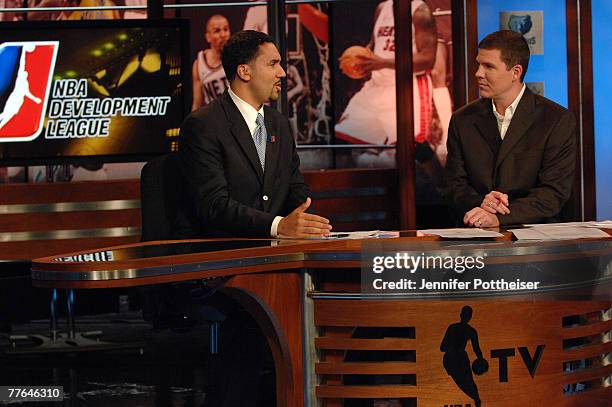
(274, 227)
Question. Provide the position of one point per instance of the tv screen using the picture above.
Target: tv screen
(73, 91)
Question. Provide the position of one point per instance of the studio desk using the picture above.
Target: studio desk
(330, 342)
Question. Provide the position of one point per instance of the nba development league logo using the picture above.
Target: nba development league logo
(528, 23)
(26, 69)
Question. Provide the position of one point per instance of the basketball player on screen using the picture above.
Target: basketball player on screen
(441, 78)
(208, 76)
(256, 18)
(370, 116)
(10, 16)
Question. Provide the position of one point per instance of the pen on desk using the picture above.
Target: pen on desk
(338, 235)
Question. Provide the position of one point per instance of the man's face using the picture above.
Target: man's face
(494, 78)
(217, 32)
(266, 73)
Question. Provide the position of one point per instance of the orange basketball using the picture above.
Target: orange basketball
(349, 61)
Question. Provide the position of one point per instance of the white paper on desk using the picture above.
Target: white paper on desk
(367, 234)
(461, 233)
(537, 225)
(362, 234)
(589, 224)
(529, 234)
(548, 232)
(600, 224)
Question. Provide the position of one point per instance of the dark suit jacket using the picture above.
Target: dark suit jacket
(534, 164)
(231, 193)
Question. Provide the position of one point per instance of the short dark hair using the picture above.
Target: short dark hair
(241, 48)
(513, 47)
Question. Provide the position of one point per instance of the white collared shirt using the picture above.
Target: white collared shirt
(503, 122)
(249, 114)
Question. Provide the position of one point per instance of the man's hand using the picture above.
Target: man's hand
(495, 202)
(480, 218)
(301, 224)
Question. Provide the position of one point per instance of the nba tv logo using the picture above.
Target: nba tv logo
(26, 70)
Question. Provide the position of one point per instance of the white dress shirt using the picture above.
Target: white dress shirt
(249, 114)
(503, 122)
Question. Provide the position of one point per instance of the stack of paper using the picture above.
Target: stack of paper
(591, 224)
(367, 234)
(462, 233)
(559, 231)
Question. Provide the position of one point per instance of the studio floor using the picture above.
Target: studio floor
(164, 367)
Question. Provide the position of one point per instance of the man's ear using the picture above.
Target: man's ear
(517, 71)
(244, 72)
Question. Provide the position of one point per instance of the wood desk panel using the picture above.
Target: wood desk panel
(284, 286)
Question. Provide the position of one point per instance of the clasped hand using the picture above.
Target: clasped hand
(486, 214)
(496, 202)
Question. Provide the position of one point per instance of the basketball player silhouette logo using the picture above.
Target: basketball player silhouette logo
(26, 70)
(456, 361)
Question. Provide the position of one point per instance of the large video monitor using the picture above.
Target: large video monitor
(74, 91)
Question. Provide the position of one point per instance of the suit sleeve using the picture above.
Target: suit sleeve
(460, 195)
(202, 165)
(555, 178)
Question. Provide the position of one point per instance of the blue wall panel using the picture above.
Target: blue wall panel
(551, 67)
(602, 95)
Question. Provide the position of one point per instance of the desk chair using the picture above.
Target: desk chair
(164, 207)
(162, 198)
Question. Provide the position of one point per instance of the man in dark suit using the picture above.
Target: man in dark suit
(239, 157)
(241, 168)
(511, 154)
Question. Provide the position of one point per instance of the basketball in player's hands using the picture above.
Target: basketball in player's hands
(480, 366)
(350, 61)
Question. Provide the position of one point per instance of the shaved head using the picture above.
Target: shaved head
(217, 32)
(215, 19)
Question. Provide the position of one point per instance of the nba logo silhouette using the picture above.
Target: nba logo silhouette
(26, 69)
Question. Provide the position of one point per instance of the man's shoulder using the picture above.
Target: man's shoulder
(212, 111)
(547, 104)
(206, 122)
(477, 107)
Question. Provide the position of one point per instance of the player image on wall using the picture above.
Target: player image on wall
(368, 115)
(308, 72)
(364, 90)
(210, 28)
(207, 74)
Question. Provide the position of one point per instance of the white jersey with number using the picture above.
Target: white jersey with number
(384, 38)
(370, 116)
(213, 79)
(384, 42)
